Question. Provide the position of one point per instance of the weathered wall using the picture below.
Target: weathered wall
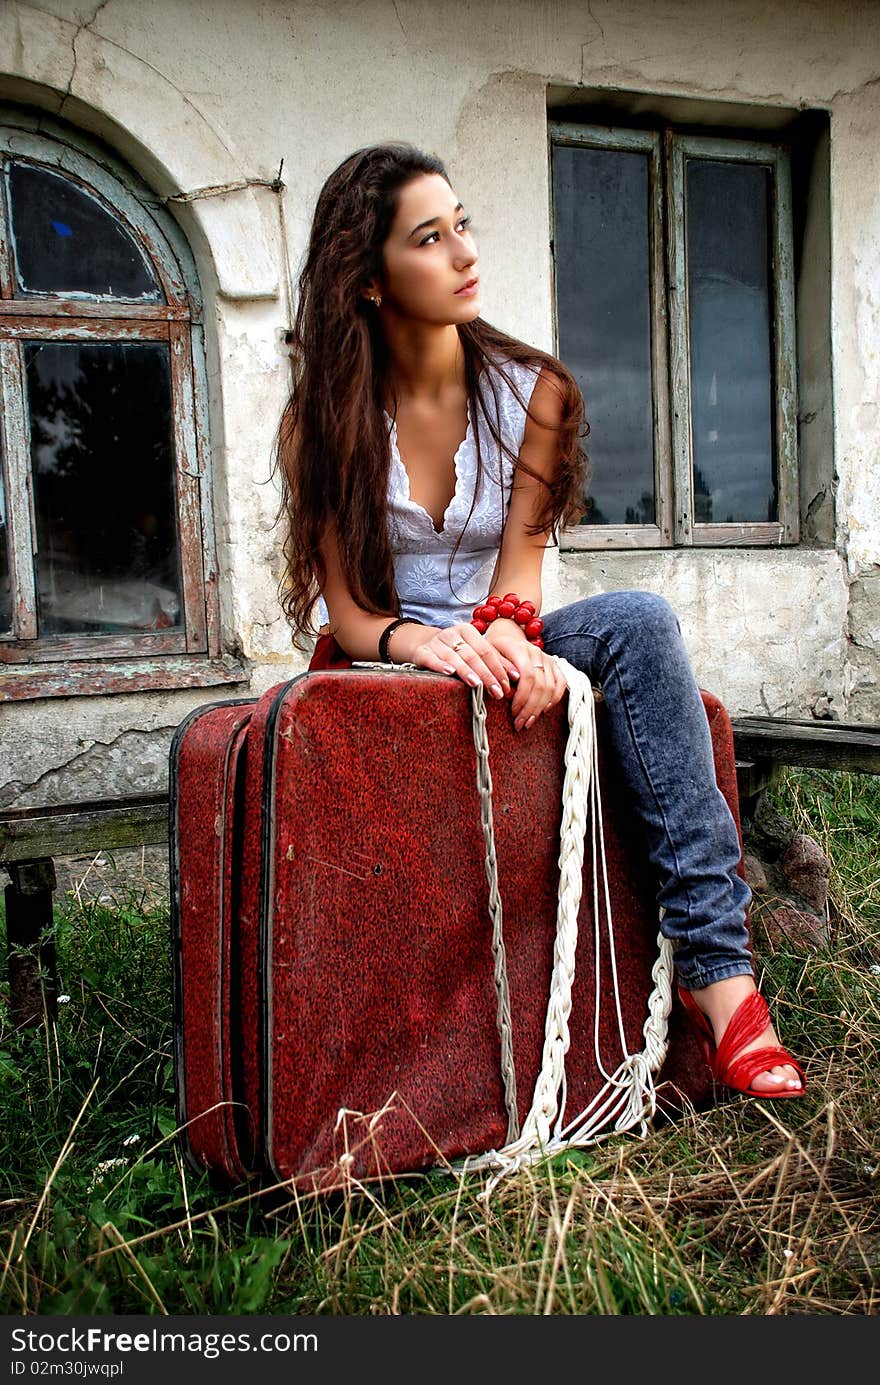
(856, 334)
(199, 93)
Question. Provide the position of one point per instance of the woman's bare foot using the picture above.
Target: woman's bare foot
(718, 1003)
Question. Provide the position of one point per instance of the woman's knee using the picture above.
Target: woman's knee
(652, 613)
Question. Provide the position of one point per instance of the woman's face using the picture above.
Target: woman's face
(431, 269)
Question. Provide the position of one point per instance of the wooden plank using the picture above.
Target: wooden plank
(209, 541)
(187, 491)
(752, 778)
(818, 744)
(82, 328)
(664, 513)
(723, 148)
(16, 448)
(128, 308)
(857, 731)
(29, 834)
(30, 943)
(53, 648)
(128, 675)
(602, 136)
(593, 536)
(679, 344)
(738, 535)
(784, 348)
(7, 286)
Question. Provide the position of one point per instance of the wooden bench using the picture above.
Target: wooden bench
(764, 744)
(31, 838)
(817, 744)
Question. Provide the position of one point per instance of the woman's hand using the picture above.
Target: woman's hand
(502, 660)
(459, 650)
(539, 681)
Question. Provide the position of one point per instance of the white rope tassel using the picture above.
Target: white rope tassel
(627, 1099)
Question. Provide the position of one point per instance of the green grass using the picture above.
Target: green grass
(748, 1207)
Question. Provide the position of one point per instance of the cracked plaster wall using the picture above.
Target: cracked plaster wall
(215, 93)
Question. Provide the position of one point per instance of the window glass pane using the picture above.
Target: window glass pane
(5, 573)
(66, 242)
(603, 308)
(727, 212)
(102, 456)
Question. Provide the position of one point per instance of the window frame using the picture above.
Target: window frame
(668, 149)
(33, 665)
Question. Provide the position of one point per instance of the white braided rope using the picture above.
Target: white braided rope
(499, 954)
(627, 1099)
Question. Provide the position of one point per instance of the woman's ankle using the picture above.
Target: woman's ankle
(720, 999)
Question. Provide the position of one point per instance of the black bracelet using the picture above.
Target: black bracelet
(384, 657)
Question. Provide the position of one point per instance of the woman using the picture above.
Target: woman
(426, 459)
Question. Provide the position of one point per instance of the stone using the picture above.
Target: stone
(807, 869)
(769, 831)
(787, 926)
(756, 876)
(864, 610)
(822, 709)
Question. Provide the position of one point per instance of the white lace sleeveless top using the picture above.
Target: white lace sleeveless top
(428, 589)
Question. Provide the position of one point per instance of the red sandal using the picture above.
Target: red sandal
(747, 1022)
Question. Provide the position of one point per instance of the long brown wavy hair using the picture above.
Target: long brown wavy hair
(332, 447)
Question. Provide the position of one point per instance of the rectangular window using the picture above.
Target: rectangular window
(675, 311)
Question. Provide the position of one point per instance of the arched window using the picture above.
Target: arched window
(105, 529)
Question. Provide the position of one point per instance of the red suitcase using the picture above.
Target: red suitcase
(335, 1002)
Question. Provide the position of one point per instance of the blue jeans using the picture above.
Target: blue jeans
(629, 644)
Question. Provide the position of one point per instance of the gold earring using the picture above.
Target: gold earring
(377, 299)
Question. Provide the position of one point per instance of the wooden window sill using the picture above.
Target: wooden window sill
(102, 677)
